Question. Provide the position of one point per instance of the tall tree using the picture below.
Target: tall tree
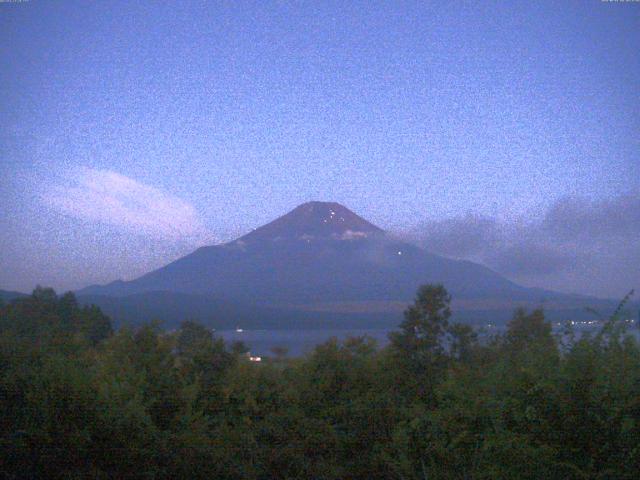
(419, 345)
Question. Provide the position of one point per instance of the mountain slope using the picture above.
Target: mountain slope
(8, 296)
(319, 265)
(319, 253)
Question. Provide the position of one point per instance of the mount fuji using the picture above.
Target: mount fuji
(322, 257)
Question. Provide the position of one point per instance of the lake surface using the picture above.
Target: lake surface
(300, 342)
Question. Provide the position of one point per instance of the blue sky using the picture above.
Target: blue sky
(132, 132)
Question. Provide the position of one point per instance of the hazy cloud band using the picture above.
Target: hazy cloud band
(108, 197)
(578, 245)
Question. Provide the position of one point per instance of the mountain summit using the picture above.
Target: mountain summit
(314, 220)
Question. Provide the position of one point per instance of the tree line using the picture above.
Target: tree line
(80, 400)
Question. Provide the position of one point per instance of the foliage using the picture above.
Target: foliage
(78, 400)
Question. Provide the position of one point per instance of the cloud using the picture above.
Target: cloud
(576, 218)
(578, 244)
(459, 237)
(351, 235)
(530, 258)
(110, 198)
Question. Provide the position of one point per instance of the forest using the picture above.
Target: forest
(81, 400)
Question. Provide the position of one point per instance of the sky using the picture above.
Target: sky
(133, 132)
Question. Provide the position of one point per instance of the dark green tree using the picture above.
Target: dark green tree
(463, 342)
(524, 330)
(420, 341)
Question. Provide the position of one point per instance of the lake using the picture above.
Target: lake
(299, 342)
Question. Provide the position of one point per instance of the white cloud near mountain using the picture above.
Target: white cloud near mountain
(581, 245)
(110, 198)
